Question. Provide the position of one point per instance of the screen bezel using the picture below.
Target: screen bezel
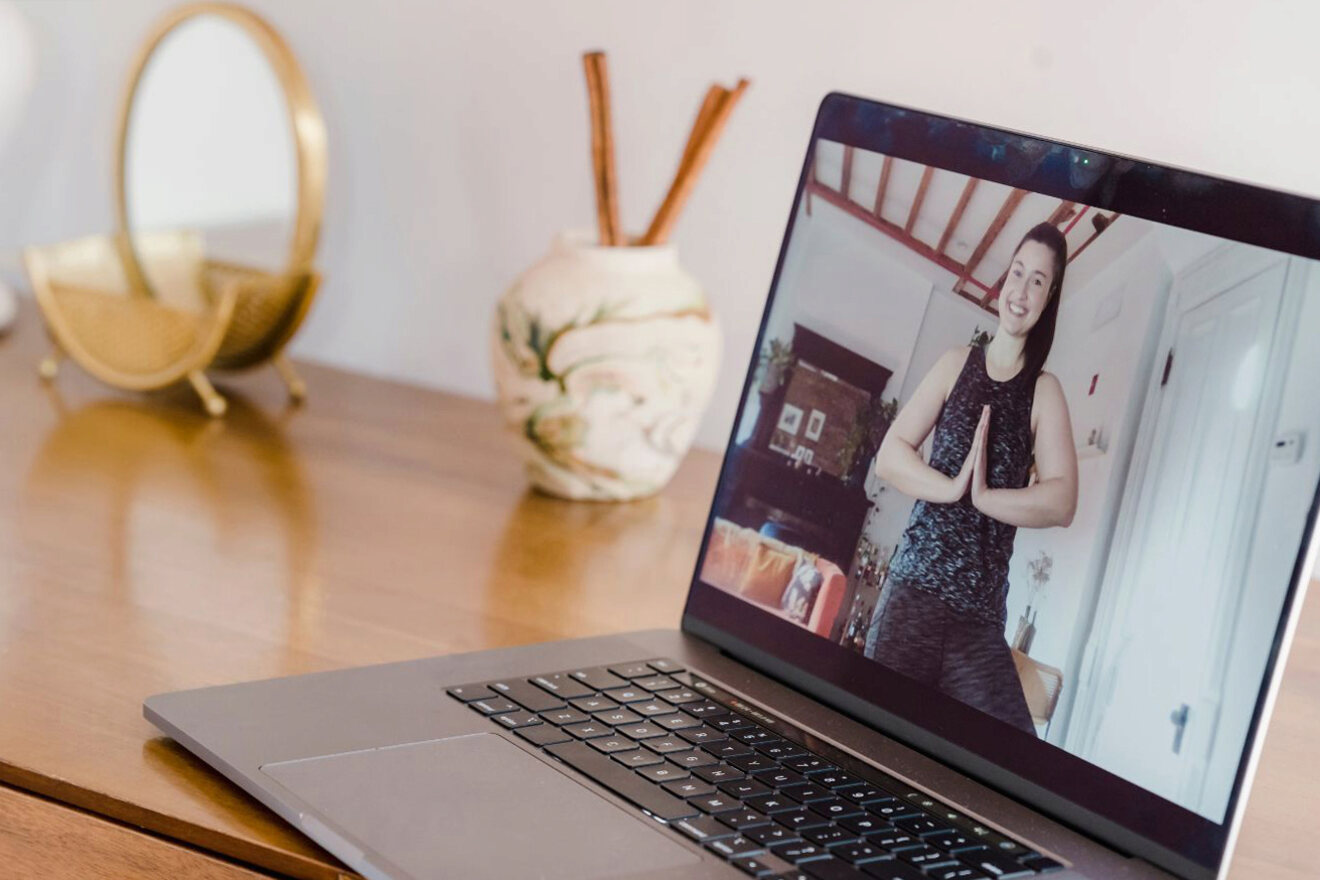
(1070, 789)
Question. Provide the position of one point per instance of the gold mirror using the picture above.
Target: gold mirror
(219, 185)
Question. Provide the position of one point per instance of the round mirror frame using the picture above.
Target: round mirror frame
(306, 124)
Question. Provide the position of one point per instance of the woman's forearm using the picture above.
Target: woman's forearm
(1047, 503)
(903, 468)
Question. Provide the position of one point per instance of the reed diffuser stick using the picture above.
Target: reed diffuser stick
(702, 142)
(714, 95)
(602, 148)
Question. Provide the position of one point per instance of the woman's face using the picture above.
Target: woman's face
(1026, 288)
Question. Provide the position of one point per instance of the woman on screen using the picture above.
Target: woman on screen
(995, 413)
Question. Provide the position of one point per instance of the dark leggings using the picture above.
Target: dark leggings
(917, 634)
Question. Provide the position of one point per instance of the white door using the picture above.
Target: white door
(1157, 705)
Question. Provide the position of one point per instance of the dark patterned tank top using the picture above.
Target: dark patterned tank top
(953, 550)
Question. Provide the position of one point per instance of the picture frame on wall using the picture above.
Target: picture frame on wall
(815, 425)
(790, 419)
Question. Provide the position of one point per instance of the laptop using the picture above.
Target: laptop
(998, 581)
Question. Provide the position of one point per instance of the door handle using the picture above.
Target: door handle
(1179, 718)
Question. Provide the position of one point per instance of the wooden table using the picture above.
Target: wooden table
(145, 548)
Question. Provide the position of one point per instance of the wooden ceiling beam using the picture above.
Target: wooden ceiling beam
(1061, 213)
(846, 180)
(921, 197)
(991, 233)
(1086, 244)
(956, 217)
(894, 231)
(885, 170)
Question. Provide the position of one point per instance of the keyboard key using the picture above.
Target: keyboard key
(665, 665)
(865, 794)
(768, 835)
(666, 744)
(653, 707)
(615, 717)
(800, 819)
(734, 847)
(636, 758)
(805, 793)
(753, 735)
(923, 825)
(780, 750)
(865, 824)
(704, 828)
(856, 853)
(728, 723)
(632, 670)
(628, 695)
(612, 744)
(926, 856)
(515, 720)
(681, 696)
(527, 695)
(1042, 864)
(717, 773)
(759, 866)
(543, 735)
(834, 808)
(955, 872)
(830, 869)
(891, 838)
(469, 692)
(891, 870)
(753, 763)
(566, 715)
(745, 788)
(588, 729)
(494, 706)
(728, 749)
(622, 781)
(689, 788)
(692, 759)
(678, 722)
(703, 734)
(641, 731)
(716, 803)
(663, 772)
(998, 866)
(893, 809)
(594, 704)
(798, 851)
(705, 710)
(598, 678)
(829, 835)
(835, 779)
(744, 819)
(809, 764)
(771, 803)
(563, 685)
(657, 683)
(780, 778)
(954, 842)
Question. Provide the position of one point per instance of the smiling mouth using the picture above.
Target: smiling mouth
(1017, 311)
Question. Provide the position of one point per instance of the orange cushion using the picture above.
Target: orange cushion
(730, 552)
(765, 579)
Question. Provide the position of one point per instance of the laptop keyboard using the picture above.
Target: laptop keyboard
(723, 774)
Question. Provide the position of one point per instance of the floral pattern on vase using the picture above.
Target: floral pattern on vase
(605, 359)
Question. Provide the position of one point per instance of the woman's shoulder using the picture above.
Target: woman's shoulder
(1049, 390)
(953, 359)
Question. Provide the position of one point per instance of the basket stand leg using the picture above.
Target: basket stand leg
(211, 399)
(297, 387)
(49, 367)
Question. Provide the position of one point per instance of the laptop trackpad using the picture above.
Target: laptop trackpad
(476, 806)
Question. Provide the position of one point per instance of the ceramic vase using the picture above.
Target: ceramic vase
(605, 359)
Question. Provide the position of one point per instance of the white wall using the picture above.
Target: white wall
(459, 143)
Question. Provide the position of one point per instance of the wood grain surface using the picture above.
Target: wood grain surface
(145, 548)
(39, 838)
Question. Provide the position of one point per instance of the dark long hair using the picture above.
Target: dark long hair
(1041, 337)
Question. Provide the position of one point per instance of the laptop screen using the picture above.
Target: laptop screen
(1026, 461)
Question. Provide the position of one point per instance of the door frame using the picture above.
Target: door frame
(1219, 270)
